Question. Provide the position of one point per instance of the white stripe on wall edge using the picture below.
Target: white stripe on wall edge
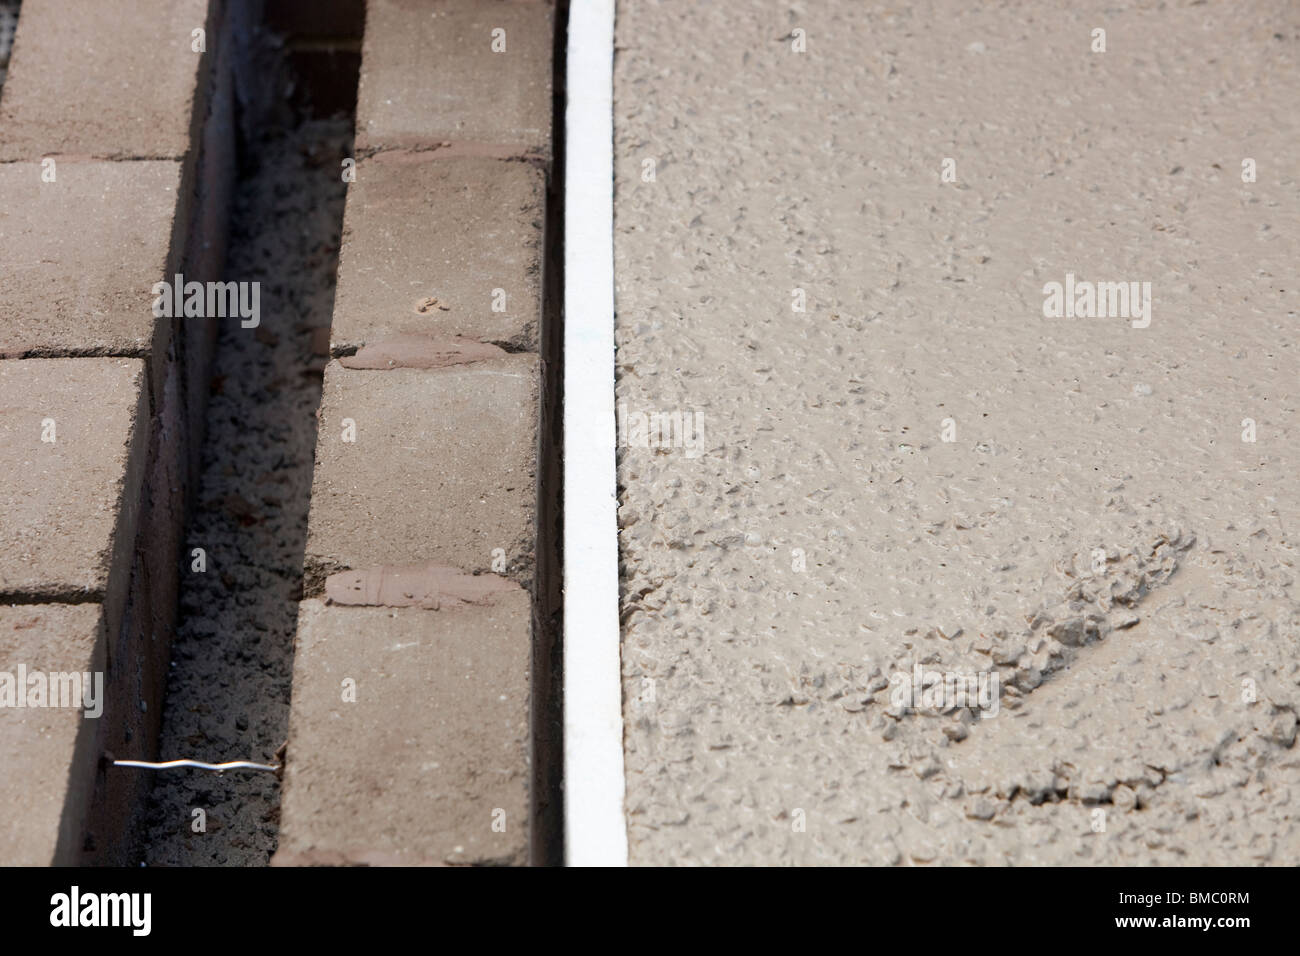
(594, 824)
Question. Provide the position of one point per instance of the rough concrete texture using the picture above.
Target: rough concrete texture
(108, 80)
(443, 468)
(823, 538)
(409, 736)
(47, 764)
(68, 506)
(429, 73)
(80, 256)
(228, 686)
(428, 242)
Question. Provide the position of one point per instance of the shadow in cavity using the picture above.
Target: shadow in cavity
(232, 659)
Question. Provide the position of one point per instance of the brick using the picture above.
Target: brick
(49, 757)
(68, 509)
(429, 75)
(323, 45)
(321, 20)
(453, 230)
(107, 80)
(435, 745)
(443, 468)
(80, 256)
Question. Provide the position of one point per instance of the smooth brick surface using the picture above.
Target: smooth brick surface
(109, 80)
(428, 75)
(435, 743)
(68, 509)
(447, 229)
(443, 467)
(44, 770)
(79, 256)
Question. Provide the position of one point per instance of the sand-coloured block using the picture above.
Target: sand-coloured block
(442, 468)
(430, 74)
(422, 759)
(71, 461)
(80, 256)
(441, 247)
(46, 778)
(108, 80)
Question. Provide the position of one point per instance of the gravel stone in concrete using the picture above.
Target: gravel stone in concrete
(442, 469)
(429, 75)
(109, 80)
(823, 538)
(40, 745)
(428, 764)
(428, 241)
(68, 508)
(80, 256)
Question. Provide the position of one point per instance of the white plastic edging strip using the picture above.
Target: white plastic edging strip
(594, 825)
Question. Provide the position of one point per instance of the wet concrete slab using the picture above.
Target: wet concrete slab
(870, 461)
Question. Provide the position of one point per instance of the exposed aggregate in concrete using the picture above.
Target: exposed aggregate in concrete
(827, 539)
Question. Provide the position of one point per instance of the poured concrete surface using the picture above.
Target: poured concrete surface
(810, 536)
